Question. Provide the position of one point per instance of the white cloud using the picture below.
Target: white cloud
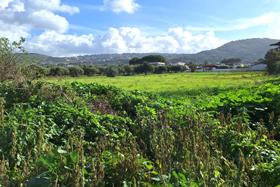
(20, 17)
(123, 40)
(45, 19)
(57, 44)
(13, 31)
(266, 19)
(117, 6)
(51, 5)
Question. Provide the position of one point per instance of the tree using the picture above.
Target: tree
(144, 68)
(128, 70)
(111, 71)
(34, 71)
(192, 67)
(231, 61)
(276, 44)
(90, 70)
(272, 59)
(154, 58)
(149, 58)
(9, 60)
(76, 71)
(58, 71)
(135, 61)
(160, 69)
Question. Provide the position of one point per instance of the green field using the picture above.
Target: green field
(173, 84)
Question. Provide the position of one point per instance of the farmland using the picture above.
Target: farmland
(176, 84)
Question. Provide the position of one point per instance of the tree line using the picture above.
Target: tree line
(94, 70)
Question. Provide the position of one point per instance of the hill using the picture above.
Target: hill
(249, 50)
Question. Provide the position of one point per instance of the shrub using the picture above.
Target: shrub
(58, 71)
(75, 71)
(9, 59)
(273, 61)
(160, 69)
(34, 71)
(111, 71)
(90, 70)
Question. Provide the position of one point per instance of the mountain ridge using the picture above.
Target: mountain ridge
(248, 50)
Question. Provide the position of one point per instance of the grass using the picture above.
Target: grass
(174, 84)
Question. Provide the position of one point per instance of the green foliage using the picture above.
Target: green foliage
(91, 70)
(147, 59)
(58, 71)
(231, 61)
(89, 134)
(75, 71)
(111, 71)
(272, 59)
(144, 68)
(9, 60)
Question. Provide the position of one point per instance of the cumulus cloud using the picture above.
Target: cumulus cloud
(57, 44)
(123, 40)
(20, 17)
(44, 19)
(117, 6)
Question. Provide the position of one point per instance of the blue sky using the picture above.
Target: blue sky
(76, 27)
(157, 16)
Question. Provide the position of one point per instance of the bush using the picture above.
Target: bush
(9, 60)
(111, 71)
(76, 71)
(149, 58)
(160, 69)
(34, 71)
(58, 71)
(145, 68)
(90, 70)
(272, 59)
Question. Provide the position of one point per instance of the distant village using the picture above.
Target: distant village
(232, 64)
(218, 67)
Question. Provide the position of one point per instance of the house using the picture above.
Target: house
(182, 64)
(179, 64)
(157, 63)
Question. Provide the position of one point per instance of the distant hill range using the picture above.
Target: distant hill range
(249, 50)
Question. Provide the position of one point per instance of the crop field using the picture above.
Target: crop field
(176, 84)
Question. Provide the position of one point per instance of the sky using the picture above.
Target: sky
(80, 27)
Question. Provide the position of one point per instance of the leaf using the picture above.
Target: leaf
(217, 173)
(61, 151)
(74, 157)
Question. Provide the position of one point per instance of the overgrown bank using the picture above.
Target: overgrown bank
(93, 135)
